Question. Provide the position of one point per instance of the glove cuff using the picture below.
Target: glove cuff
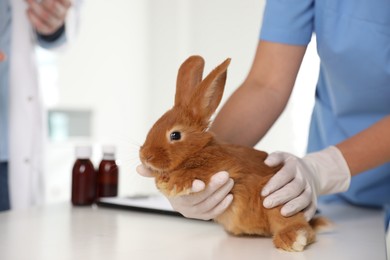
(332, 170)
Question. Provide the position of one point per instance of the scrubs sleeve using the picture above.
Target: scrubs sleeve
(288, 21)
(54, 40)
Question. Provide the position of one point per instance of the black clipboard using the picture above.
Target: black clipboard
(144, 203)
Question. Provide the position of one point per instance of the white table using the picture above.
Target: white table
(63, 232)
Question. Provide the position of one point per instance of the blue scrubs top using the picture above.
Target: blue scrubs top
(353, 89)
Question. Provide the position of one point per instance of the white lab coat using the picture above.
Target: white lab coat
(26, 118)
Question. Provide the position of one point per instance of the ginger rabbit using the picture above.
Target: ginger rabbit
(179, 149)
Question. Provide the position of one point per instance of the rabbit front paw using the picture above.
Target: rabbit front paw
(171, 187)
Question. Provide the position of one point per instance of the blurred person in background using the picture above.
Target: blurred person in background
(23, 26)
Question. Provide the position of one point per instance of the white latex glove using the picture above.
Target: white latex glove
(205, 202)
(301, 180)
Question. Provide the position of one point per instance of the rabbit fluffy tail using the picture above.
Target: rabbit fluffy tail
(321, 224)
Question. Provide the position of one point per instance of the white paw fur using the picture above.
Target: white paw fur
(301, 241)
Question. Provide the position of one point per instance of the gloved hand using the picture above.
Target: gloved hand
(301, 180)
(205, 202)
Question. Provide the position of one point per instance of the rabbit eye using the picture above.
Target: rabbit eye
(174, 136)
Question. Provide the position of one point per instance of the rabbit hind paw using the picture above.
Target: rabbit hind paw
(293, 240)
(300, 241)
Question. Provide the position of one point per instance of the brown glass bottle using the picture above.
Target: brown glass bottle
(107, 179)
(83, 178)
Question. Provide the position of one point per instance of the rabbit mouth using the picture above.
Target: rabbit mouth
(153, 168)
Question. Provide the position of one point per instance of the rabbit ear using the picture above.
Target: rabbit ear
(208, 95)
(189, 76)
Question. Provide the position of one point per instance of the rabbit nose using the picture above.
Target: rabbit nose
(146, 157)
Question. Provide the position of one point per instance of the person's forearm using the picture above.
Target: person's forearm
(259, 107)
(255, 106)
(369, 148)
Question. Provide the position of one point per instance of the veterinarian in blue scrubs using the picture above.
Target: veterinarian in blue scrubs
(350, 125)
(353, 89)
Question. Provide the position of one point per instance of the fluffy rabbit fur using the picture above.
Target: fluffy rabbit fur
(179, 149)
